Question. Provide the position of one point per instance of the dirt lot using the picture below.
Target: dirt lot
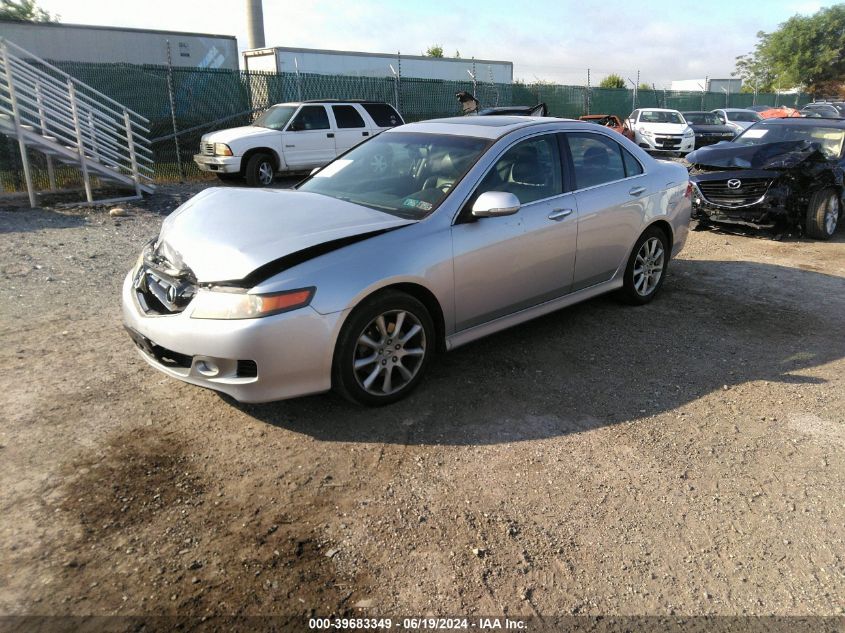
(687, 457)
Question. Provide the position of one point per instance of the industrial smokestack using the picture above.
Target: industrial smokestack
(255, 23)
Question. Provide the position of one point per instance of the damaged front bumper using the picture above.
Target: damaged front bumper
(754, 199)
(252, 360)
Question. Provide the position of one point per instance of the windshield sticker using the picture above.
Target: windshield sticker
(332, 169)
(755, 134)
(417, 204)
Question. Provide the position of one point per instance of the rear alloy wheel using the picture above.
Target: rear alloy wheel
(823, 214)
(646, 267)
(383, 349)
(259, 170)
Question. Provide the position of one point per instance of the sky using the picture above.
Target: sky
(555, 41)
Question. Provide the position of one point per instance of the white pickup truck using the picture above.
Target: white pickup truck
(293, 137)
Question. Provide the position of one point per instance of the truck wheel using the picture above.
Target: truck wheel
(822, 214)
(259, 170)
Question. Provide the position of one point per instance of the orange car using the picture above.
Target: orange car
(778, 113)
(611, 121)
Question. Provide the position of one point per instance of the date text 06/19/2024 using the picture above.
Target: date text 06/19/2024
(417, 624)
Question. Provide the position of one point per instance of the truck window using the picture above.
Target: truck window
(311, 118)
(347, 116)
(383, 114)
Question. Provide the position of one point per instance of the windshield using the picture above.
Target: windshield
(748, 117)
(275, 118)
(829, 138)
(404, 173)
(702, 118)
(659, 116)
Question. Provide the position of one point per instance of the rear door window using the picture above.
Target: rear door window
(383, 114)
(596, 159)
(347, 116)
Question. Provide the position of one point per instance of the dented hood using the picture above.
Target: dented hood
(785, 155)
(225, 233)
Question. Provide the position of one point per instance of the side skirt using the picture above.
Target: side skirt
(479, 331)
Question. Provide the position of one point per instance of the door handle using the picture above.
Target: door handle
(365, 133)
(636, 191)
(559, 214)
(330, 135)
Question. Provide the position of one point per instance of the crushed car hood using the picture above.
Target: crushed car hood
(706, 127)
(785, 155)
(225, 233)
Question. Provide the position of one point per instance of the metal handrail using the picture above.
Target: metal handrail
(58, 114)
(11, 44)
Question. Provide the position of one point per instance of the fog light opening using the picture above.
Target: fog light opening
(207, 368)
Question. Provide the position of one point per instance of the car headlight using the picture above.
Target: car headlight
(689, 134)
(221, 149)
(238, 304)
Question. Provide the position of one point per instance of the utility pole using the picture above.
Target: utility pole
(255, 23)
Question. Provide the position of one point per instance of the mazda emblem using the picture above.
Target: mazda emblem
(734, 183)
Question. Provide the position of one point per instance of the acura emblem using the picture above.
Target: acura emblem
(734, 183)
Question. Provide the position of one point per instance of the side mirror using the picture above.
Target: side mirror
(492, 204)
(295, 126)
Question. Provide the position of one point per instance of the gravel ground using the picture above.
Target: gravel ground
(681, 458)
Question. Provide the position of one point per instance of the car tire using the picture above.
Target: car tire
(646, 267)
(259, 170)
(823, 213)
(373, 367)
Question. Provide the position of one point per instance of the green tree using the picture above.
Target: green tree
(612, 81)
(434, 51)
(644, 86)
(24, 11)
(804, 51)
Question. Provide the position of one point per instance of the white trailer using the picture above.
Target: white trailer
(282, 59)
(109, 45)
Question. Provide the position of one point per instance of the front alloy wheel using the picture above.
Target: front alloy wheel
(823, 214)
(389, 353)
(383, 349)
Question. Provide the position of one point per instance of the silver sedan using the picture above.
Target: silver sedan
(353, 279)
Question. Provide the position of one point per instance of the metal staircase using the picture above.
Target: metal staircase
(69, 122)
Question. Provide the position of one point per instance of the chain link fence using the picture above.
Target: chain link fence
(205, 100)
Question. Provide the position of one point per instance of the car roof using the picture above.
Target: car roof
(658, 110)
(491, 127)
(736, 110)
(696, 112)
(334, 101)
